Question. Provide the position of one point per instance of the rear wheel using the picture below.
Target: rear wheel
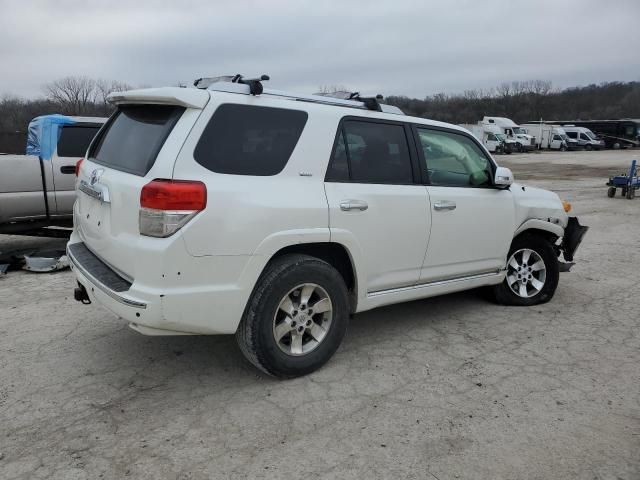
(611, 192)
(532, 272)
(630, 193)
(623, 192)
(296, 317)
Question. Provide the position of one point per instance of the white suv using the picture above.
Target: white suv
(276, 217)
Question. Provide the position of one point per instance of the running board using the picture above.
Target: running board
(436, 283)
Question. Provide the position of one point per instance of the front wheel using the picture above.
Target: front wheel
(532, 272)
(630, 193)
(296, 317)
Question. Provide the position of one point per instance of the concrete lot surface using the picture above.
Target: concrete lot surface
(447, 388)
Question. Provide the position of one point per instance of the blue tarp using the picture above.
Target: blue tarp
(44, 133)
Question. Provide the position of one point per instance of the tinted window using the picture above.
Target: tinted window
(583, 136)
(74, 141)
(572, 134)
(453, 159)
(134, 136)
(247, 140)
(374, 153)
(339, 167)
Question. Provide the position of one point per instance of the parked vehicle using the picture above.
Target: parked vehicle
(491, 137)
(586, 138)
(513, 131)
(233, 209)
(37, 189)
(615, 133)
(547, 136)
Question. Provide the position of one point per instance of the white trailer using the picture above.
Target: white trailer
(491, 137)
(547, 136)
(513, 131)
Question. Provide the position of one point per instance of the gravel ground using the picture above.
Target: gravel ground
(445, 388)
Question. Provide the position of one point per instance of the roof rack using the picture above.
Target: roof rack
(255, 85)
(238, 84)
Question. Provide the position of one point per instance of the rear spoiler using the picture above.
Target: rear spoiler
(185, 97)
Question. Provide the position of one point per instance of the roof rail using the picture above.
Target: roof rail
(238, 84)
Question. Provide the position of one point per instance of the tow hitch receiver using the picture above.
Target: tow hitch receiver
(80, 294)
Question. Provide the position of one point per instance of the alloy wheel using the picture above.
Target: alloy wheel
(303, 319)
(526, 273)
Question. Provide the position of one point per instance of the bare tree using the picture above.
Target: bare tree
(105, 87)
(75, 95)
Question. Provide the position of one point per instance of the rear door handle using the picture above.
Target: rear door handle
(347, 205)
(68, 169)
(444, 205)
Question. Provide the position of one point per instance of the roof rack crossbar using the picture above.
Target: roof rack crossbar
(255, 84)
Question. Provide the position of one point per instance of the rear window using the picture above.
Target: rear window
(74, 141)
(248, 140)
(134, 136)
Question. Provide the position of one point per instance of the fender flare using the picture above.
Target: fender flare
(537, 224)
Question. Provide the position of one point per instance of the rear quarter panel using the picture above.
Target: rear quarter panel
(249, 215)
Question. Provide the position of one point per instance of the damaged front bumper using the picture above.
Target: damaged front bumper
(573, 235)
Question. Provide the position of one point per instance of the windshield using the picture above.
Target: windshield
(591, 135)
(519, 131)
(501, 137)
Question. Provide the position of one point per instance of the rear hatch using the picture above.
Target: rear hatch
(139, 143)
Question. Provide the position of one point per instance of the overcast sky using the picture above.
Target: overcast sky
(416, 48)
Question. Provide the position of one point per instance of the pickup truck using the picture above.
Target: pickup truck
(37, 189)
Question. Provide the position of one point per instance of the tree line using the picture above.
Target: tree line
(527, 101)
(521, 101)
(81, 96)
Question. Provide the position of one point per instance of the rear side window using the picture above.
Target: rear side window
(134, 136)
(248, 140)
(74, 140)
(368, 152)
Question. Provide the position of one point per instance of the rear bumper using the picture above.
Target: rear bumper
(186, 305)
(573, 235)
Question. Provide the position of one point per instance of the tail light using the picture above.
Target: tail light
(167, 205)
(78, 165)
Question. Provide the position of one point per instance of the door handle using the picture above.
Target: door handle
(444, 205)
(68, 169)
(347, 205)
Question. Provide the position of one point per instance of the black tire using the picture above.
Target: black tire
(611, 192)
(255, 334)
(631, 193)
(563, 148)
(623, 192)
(588, 147)
(520, 148)
(540, 245)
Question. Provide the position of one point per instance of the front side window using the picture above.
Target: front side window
(583, 136)
(249, 140)
(368, 152)
(556, 137)
(454, 160)
(74, 140)
(491, 137)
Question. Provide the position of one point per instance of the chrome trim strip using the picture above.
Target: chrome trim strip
(103, 288)
(493, 273)
(101, 193)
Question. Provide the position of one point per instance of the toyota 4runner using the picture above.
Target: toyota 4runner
(232, 209)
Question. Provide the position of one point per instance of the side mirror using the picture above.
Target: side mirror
(503, 177)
